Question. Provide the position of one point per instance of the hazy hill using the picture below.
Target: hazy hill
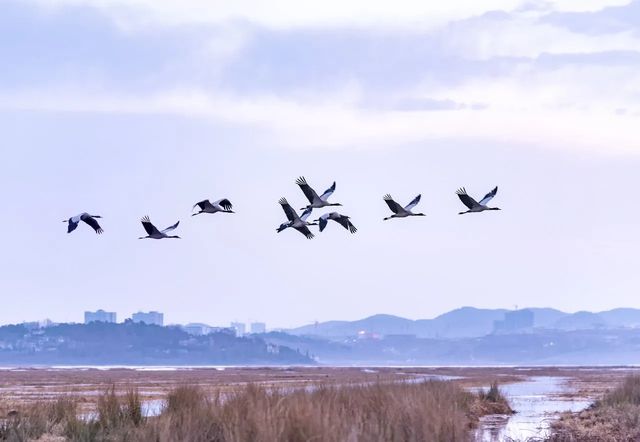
(542, 346)
(616, 318)
(469, 322)
(462, 322)
(624, 317)
(135, 344)
(546, 317)
(580, 321)
(382, 324)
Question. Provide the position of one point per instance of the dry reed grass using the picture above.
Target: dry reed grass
(491, 401)
(615, 417)
(38, 419)
(428, 411)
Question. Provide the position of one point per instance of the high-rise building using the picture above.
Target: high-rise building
(150, 318)
(514, 321)
(99, 316)
(239, 327)
(197, 329)
(258, 327)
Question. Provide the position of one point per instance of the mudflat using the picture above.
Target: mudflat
(22, 386)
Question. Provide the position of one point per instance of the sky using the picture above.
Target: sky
(144, 107)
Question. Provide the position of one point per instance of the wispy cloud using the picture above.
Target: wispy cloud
(611, 19)
(503, 70)
(338, 121)
(283, 14)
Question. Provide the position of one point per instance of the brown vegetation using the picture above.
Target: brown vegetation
(491, 401)
(38, 419)
(27, 386)
(432, 410)
(615, 417)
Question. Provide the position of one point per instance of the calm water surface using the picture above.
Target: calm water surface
(537, 402)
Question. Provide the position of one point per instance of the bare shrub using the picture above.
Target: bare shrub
(615, 417)
(491, 401)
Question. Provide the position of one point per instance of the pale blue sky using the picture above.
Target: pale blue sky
(131, 108)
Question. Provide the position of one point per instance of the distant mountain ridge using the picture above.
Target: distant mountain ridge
(467, 322)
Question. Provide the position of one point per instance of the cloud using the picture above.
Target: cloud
(579, 5)
(426, 104)
(521, 34)
(284, 14)
(507, 75)
(287, 14)
(610, 20)
(554, 83)
(338, 122)
(81, 46)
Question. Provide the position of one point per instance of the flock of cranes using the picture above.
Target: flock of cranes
(294, 221)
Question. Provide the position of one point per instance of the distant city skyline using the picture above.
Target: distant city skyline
(516, 318)
(125, 109)
(153, 317)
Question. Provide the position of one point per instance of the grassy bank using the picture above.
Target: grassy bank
(434, 411)
(615, 417)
